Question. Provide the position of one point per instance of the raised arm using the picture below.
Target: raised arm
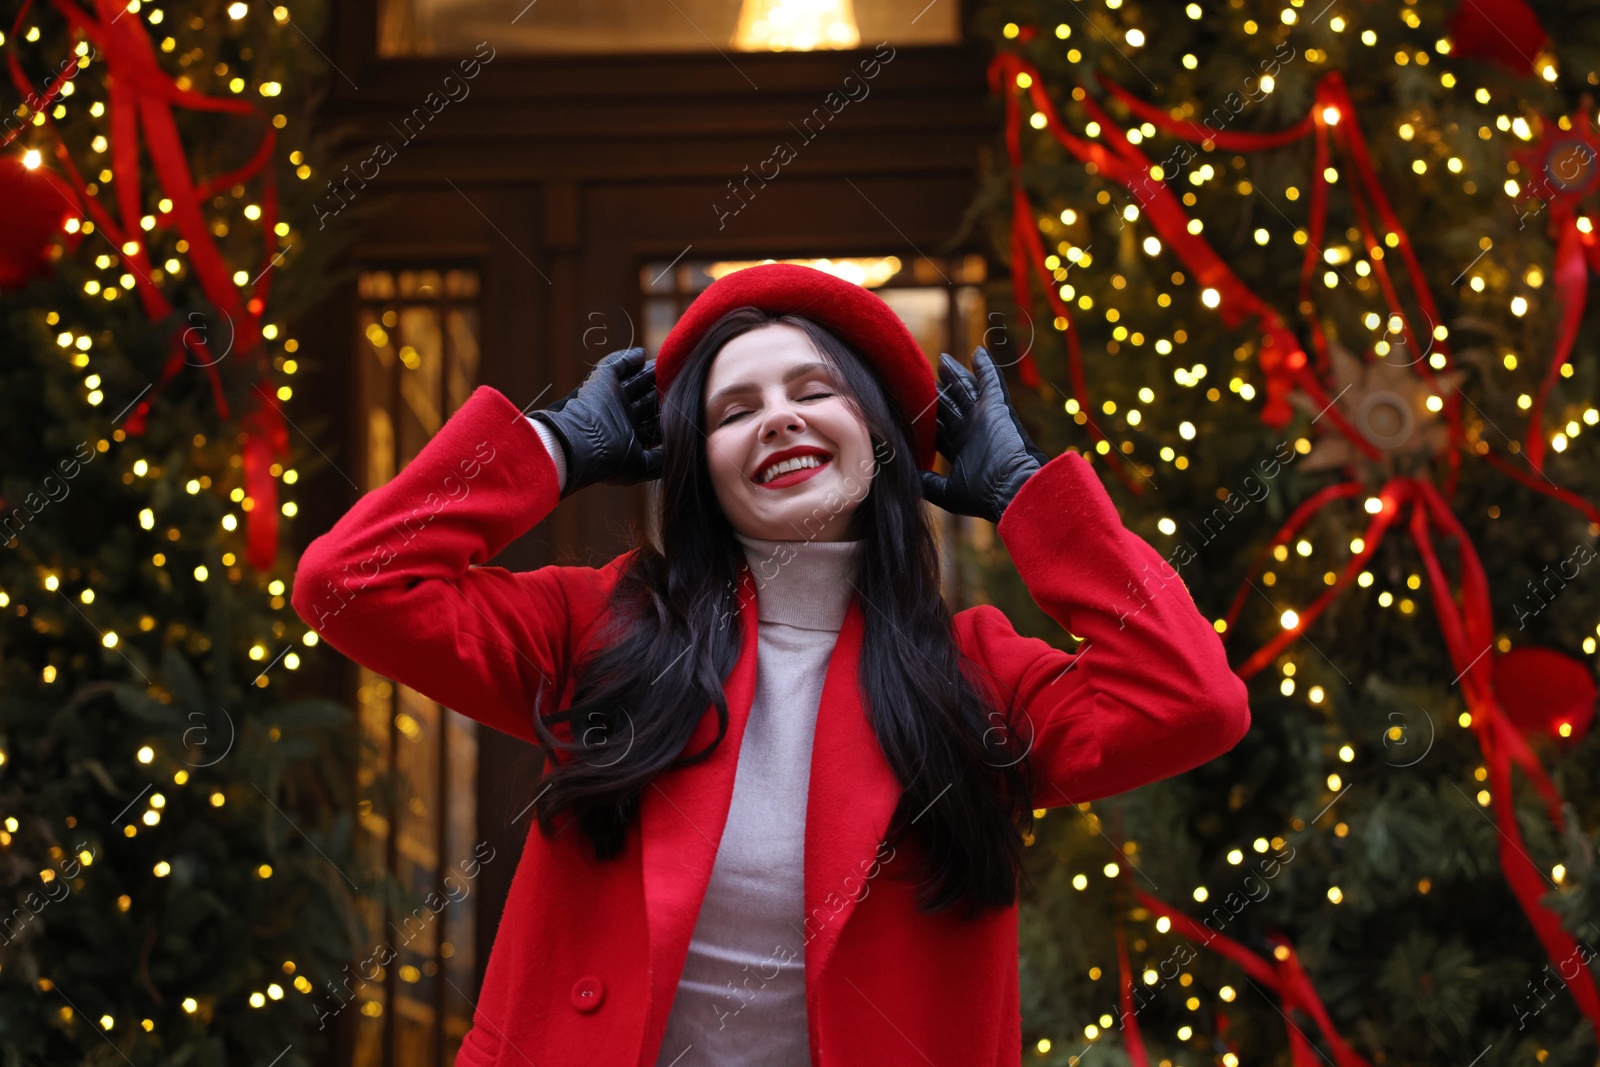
(1149, 692)
(399, 583)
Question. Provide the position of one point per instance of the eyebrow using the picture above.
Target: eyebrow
(799, 370)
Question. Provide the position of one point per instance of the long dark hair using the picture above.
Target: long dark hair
(963, 783)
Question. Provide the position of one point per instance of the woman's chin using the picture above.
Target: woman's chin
(803, 513)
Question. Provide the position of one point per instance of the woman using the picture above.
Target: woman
(784, 789)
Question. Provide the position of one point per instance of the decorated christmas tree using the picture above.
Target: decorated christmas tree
(179, 881)
(1309, 282)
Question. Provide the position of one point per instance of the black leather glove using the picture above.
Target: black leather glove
(607, 425)
(990, 454)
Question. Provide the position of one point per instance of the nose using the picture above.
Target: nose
(781, 414)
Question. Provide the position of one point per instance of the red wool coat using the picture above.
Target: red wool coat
(587, 957)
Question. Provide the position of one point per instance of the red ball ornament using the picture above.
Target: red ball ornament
(1543, 690)
(35, 209)
(1504, 32)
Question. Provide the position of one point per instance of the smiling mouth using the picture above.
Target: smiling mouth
(810, 466)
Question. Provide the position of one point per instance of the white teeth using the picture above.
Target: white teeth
(798, 463)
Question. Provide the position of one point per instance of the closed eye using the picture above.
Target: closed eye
(738, 414)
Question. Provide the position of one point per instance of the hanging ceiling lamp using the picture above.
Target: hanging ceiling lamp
(869, 272)
(795, 25)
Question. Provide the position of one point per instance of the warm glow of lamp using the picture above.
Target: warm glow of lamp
(869, 272)
(798, 25)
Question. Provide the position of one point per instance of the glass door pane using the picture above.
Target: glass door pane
(418, 361)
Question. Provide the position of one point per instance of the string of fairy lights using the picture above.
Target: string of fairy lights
(1201, 893)
(231, 212)
(1487, 287)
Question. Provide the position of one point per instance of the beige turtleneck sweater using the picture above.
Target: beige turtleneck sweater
(741, 998)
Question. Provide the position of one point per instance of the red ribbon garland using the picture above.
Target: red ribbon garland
(141, 95)
(1331, 104)
(1233, 142)
(1574, 251)
(1027, 257)
(1282, 360)
(154, 301)
(1134, 1041)
(1572, 285)
(1468, 629)
(1303, 514)
(1468, 632)
(1577, 252)
(1348, 136)
(1543, 485)
(1283, 976)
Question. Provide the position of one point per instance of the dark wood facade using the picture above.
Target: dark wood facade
(555, 180)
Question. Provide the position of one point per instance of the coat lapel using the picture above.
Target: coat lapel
(851, 796)
(681, 816)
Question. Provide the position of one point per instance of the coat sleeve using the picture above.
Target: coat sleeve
(400, 583)
(1148, 694)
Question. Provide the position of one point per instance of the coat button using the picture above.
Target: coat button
(587, 993)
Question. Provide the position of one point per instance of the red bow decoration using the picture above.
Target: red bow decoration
(141, 97)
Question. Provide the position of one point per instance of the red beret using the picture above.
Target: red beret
(852, 313)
